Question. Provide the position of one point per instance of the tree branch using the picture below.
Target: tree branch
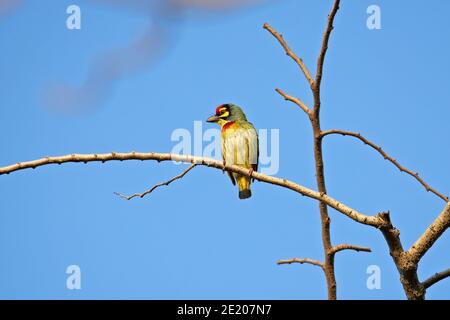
(166, 183)
(431, 234)
(342, 247)
(297, 101)
(387, 157)
(319, 163)
(115, 156)
(436, 278)
(301, 261)
(405, 261)
(314, 116)
(325, 39)
(290, 53)
(321, 58)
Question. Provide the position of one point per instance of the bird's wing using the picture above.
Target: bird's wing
(254, 151)
(253, 147)
(249, 137)
(246, 141)
(255, 165)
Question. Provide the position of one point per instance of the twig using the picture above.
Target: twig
(415, 175)
(166, 183)
(342, 247)
(115, 156)
(436, 278)
(301, 261)
(290, 53)
(326, 38)
(321, 58)
(297, 101)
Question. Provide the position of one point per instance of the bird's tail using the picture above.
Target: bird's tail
(244, 187)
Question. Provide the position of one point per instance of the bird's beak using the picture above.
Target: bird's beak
(213, 119)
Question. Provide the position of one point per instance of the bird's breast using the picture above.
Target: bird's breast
(227, 126)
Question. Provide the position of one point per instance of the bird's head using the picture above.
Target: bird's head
(226, 113)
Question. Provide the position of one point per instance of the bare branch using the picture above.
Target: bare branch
(405, 261)
(166, 183)
(415, 175)
(342, 247)
(290, 53)
(436, 278)
(321, 59)
(297, 101)
(431, 234)
(326, 38)
(301, 261)
(115, 156)
(319, 163)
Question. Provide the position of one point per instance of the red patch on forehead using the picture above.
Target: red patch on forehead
(218, 109)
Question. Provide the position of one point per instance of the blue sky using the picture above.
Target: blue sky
(196, 239)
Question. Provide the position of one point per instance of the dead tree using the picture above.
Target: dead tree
(406, 260)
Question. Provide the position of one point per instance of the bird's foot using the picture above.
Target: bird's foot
(224, 165)
(250, 172)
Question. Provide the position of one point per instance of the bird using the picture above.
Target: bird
(240, 145)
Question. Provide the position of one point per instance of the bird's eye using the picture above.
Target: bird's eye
(223, 113)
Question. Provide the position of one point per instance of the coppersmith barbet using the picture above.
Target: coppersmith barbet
(239, 144)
